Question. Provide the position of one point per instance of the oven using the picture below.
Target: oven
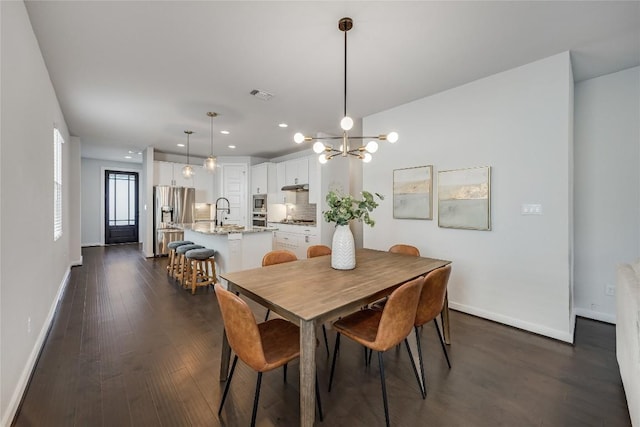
(259, 219)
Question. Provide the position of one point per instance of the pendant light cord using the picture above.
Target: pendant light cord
(212, 135)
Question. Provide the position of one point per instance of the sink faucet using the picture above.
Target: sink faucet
(228, 208)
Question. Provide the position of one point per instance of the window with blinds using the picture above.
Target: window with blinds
(57, 184)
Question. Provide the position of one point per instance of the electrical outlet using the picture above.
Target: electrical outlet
(610, 290)
(29, 325)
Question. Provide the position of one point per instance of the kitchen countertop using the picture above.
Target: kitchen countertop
(301, 223)
(210, 228)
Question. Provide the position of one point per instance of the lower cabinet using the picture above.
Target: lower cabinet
(295, 241)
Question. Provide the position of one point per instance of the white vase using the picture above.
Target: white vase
(343, 250)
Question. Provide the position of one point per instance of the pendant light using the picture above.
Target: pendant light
(187, 170)
(210, 162)
(327, 152)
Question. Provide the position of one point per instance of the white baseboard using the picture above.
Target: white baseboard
(77, 263)
(87, 245)
(23, 381)
(595, 315)
(565, 336)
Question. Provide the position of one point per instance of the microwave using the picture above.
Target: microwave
(259, 202)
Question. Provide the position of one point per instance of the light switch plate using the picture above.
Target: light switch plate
(531, 209)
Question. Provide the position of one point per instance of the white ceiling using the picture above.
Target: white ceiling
(135, 74)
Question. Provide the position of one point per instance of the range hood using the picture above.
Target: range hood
(296, 187)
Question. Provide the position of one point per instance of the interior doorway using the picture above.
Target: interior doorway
(121, 207)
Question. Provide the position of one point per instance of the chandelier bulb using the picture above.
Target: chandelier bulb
(323, 158)
(371, 146)
(318, 147)
(367, 157)
(298, 138)
(392, 137)
(346, 123)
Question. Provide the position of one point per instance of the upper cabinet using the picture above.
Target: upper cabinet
(203, 182)
(297, 171)
(169, 173)
(263, 178)
(281, 181)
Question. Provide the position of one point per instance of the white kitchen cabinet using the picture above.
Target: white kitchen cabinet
(163, 173)
(281, 181)
(263, 178)
(203, 182)
(297, 171)
(295, 238)
(169, 173)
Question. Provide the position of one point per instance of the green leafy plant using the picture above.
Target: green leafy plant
(344, 208)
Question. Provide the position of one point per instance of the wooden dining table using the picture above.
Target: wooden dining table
(308, 292)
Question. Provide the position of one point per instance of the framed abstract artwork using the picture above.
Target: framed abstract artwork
(464, 198)
(412, 193)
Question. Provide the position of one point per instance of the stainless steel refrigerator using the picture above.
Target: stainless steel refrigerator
(171, 205)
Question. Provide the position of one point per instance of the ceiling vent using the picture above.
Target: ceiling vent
(260, 94)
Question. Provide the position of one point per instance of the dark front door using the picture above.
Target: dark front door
(121, 207)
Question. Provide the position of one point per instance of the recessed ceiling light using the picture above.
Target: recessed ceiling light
(225, 132)
(127, 157)
(232, 146)
(283, 125)
(180, 145)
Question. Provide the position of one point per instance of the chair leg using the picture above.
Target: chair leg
(424, 381)
(444, 348)
(318, 401)
(266, 316)
(336, 346)
(384, 387)
(415, 371)
(226, 387)
(255, 400)
(284, 368)
(326, 341)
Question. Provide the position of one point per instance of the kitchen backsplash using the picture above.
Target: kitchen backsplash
(302, 208)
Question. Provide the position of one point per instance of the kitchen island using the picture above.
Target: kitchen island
(237, 248)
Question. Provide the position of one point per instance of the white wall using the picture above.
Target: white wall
(29, 287)
(607, 190)
(93, 197)
(519, 123)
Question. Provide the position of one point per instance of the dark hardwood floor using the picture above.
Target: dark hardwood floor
(130, 348)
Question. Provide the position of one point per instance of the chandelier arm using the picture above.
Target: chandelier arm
(317, 138)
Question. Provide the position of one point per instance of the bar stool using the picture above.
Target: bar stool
(173, 260)
(183, 266)
(203, 268)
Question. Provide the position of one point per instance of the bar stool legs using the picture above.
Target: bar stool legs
(200, 269)
(203, 273)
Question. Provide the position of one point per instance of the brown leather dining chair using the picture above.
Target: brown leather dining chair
(429, 307)
(404, 249)
(277, 257)
(318, 250)
(381, 330)
(264, 347)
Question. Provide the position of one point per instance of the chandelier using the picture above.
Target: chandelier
(210, 162)
(187, 170)
(327, 151)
